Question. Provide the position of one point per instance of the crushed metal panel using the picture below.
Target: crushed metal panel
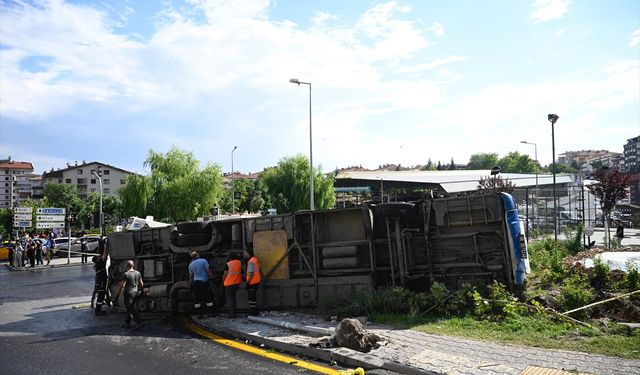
(121, 245)
(269, 247)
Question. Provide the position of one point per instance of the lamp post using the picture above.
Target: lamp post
(100, 182)
(535, 151)
(233, 184)
(553, 118)
(298, 82)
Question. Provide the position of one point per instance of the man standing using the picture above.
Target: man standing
(17, 255)
(100, 285)
(620, 233)
(232, 278)
(84, 249)
(253, 281)
(132, 284)
(199, 275)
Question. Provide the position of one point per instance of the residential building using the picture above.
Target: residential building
(587, 161)
(82, 176)
(632, 156)
(13, 187)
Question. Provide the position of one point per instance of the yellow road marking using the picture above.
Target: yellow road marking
(257, 351)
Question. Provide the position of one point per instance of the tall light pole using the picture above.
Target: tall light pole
(298, 82)
(100, 181)
(553, 118)
(535, 150)
(233, 184)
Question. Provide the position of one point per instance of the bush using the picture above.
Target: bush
(546, 260)
(573, 243)
(575, 293)
(632, 278)
(601, 273)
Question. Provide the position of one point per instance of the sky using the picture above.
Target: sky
(391, 81)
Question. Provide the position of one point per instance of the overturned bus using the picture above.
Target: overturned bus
(309, 256)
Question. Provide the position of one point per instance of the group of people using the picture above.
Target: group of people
(131, 285)
(31, 250)
(200, 273)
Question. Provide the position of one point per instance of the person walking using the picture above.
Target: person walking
(232, 278)
(620, 232)
(84, 249)
(131, 283)
(253, 281)
(100, 284)
(199, 275)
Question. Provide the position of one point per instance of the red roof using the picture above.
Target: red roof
(16, 165)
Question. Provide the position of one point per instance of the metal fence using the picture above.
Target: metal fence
(574, 206)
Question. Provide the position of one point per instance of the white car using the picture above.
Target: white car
(61, 246)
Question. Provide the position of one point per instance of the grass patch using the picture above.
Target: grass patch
(530, 331)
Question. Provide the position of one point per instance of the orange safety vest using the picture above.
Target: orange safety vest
(256, 271)
(234, 273)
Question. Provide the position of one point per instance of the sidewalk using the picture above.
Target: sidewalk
(55, 263)
(411, 352)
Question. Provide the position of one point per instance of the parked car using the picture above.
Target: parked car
(92, 242)
(4, 250)
(61, 246)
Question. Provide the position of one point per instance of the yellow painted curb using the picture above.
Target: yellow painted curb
(262, 352)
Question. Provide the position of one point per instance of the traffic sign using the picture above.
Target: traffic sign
(23, 224)
(50, 211)
(49, 218)
(49, 225)
(21, 217)
(22, 210)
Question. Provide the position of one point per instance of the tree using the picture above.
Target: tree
(287, 185)
(483, 161)
(496, 184)
(6, 222)
(429, 166)
(251, 196)
(62, 196)
(176, 190)
(452, 165)
(89, 215)
(610, 188)
(514, 162)
(561, 168)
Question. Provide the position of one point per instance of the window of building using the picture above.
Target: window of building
(122, 181)
(106, 171)
(79, 171)
(59, 180)
(6, 184)
(6, 172)
(106, 181)
(67, 181)
(82, 180)
(93, 190)
(93, 180)
(6, 178)
(106, 191)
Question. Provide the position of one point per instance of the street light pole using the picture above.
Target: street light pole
(311, 203)
(535, 151)
(553, 118)
(100, 181)
(233, 184)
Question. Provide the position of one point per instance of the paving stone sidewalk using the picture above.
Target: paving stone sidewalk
(412, 352)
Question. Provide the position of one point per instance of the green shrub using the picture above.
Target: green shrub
(632, 278)
(601, 273)
(575, 293)
(573, 243)
(546, 260)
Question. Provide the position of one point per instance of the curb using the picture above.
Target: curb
(345, 356)
(38, 268)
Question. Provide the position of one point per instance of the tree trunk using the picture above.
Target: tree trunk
(607, 238)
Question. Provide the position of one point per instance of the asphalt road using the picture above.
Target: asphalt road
(41, 333)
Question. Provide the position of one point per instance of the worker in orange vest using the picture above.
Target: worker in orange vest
(232, 278)
(253, 281)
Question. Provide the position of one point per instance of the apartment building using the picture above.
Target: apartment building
(632, 167)
(14, 184)
(83, 177)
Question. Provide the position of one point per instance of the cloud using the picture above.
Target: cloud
(431, 65)
(437, 29)
(547, 10)
(634, 38)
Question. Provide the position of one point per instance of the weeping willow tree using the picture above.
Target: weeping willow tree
(288, 188)
(176, 189)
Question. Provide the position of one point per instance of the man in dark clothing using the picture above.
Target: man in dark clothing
(620, 232)
(131, 283)
(100, 286)
(84, 249)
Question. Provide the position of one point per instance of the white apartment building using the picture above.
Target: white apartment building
(15, 184)
(83, 177)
